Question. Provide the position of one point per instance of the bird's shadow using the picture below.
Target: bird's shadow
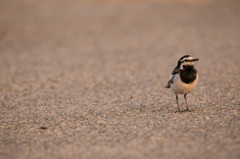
(166, 108)
(184, 111)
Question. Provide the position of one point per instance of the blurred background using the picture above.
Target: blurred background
(85, 79)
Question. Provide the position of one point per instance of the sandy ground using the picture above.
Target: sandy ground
(85, 79)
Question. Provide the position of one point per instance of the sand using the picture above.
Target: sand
(85, 79)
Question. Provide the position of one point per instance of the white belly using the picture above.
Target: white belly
(179, 87)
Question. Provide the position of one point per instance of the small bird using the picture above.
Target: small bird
(184, 78)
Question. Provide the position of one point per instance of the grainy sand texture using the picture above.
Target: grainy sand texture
(85, 79)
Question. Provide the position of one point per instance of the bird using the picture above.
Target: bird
(184, 78)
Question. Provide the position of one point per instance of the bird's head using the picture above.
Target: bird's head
(186, 62)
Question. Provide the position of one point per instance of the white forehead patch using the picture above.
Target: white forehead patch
(187, 58)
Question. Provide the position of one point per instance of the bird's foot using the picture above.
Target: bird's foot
(187, 110)
(184, 110)
(178, 111)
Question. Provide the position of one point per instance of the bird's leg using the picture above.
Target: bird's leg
(185, 97)
(177, 102)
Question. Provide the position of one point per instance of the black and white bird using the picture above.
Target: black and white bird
(184, 78)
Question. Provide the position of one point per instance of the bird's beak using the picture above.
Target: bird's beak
(196, 59)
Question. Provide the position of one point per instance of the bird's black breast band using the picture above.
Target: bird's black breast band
(188, 75)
